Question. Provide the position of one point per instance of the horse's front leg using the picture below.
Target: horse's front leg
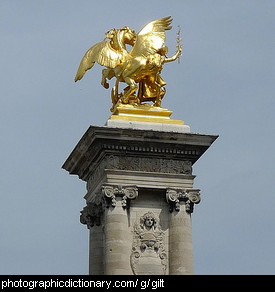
(107, 73)
(104, 83)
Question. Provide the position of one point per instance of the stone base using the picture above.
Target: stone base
(147, 126)
(140, 193)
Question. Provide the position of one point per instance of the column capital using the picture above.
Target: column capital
(106, 198)
(91, 214)
(111, 192)
(188, 196)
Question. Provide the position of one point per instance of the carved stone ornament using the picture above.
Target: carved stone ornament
(91, 214)
(126, 192)
(188, 196)
(149, 164)
(142, 164)
(148, 255)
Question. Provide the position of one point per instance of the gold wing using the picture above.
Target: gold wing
(151, 38)
(103, 54)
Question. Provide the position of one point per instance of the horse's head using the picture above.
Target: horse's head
(120, 37)
(129, 35)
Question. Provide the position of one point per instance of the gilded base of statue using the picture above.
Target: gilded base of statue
(144, 113)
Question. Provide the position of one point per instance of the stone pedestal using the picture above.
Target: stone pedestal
(140, 195)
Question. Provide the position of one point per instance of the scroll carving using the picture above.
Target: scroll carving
(109, 193)
(188, 196)
(127, 193)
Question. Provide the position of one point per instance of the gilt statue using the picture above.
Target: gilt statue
(139, 68)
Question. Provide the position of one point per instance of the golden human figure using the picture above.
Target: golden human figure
(141, 66)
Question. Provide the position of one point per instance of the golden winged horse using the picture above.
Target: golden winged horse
(142, 64)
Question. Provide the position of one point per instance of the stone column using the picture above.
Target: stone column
(96, 251)
(116, 230)
(180, 230)
(91, 216)
(117, 251)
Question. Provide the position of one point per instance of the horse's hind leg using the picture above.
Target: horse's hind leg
(158, 96)
(131, 90)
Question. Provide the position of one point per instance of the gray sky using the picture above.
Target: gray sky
(224, 85)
